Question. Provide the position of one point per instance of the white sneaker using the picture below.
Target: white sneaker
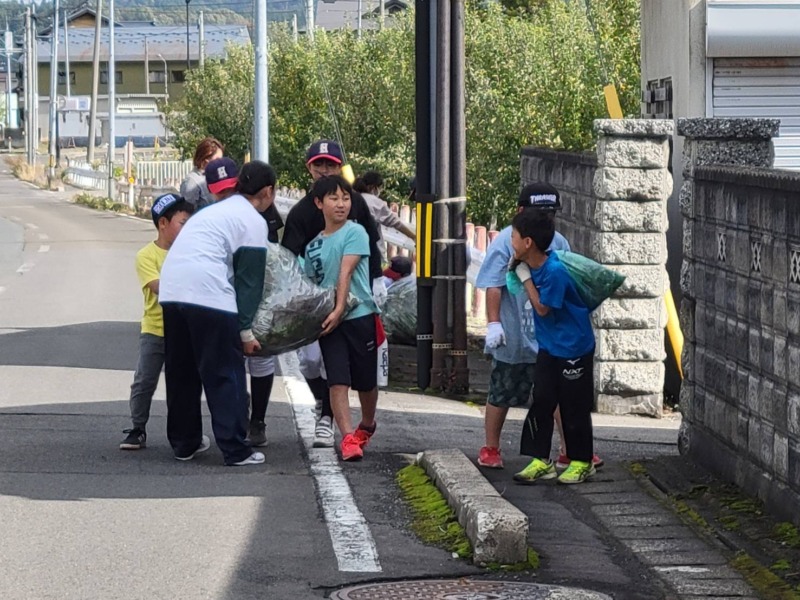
(205, 444)
(317, 408)
(256, 458)
(323, 433)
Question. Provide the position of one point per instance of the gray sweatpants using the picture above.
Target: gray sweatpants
(145, 380)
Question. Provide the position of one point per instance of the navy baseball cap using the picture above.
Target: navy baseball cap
(221, 174)
(539, 195)
(162, 205)
(325, 149)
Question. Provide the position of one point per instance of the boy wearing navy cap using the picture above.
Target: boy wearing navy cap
(170, 212)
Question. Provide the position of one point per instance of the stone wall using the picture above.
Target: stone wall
(740, 312)
(614, 211)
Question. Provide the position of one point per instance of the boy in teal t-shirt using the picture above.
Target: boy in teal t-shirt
(338, 258)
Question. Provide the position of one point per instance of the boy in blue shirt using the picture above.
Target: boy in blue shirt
(510, 337)
(564, 374)
(339, 258)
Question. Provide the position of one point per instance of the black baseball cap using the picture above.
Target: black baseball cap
(539, 195)
(325, 149)
(221, 175)
(162, 205)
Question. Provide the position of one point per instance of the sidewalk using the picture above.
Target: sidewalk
(617, 534)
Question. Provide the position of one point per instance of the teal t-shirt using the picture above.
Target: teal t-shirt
(323, 262)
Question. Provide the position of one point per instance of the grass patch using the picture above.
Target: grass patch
(730, 523)
(24, 171)
(637, 468)
(768, 585)
(100, 203)
(787, 534)
(742, 505)
(526, 565)
(691, 514)
(434, 521)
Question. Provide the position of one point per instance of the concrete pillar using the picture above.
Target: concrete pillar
(631, 186)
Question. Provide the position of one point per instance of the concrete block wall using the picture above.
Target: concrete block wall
(740, 312)
(614, 211)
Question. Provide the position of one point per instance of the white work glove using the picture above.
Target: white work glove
(379, 293)
(495, 336)
(523, 271)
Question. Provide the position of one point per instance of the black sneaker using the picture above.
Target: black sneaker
(136, 440)
(258, 434)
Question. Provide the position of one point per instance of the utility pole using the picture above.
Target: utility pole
(188, 55)
(9, 45)
(66, 54)
(294, 28)
(34, 82)
(146, 67)
(360, 10)
(95, 83)
(27, 83)
(112, 102)
(201, 26)
(52, 135)
(261, 142)
(382, 13)
(310, 19)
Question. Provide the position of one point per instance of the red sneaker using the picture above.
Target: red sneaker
(563, 461)
(363, 435)
(351, 448)
(490, 458)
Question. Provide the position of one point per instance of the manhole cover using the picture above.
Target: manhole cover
(464, 589)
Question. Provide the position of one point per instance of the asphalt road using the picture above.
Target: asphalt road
(81, 519)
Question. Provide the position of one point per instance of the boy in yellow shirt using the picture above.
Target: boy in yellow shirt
(170, 212)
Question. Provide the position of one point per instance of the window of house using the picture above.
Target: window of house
(157, 76)
(657, 99)
(62, 78)
(178, 76)
(104, 77)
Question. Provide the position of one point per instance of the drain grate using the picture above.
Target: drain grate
(464, 589)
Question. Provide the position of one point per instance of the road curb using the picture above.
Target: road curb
(497, 530)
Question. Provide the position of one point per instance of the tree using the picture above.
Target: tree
(535, 79)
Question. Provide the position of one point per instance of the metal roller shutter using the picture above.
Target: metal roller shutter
(762, 87)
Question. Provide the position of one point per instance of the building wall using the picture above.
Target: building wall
(133, 79)
(741, 310)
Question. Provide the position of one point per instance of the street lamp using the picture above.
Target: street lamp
(166, 79)
(188, 57)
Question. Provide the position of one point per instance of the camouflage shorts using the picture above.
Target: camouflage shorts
(510, 384)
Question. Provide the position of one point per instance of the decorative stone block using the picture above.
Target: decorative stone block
(686, 314)
(632, 153)
(626, 216)
(631, 313)
(630, 248)
(642, 281)
(629, 378)
(698, 153)
(687, 278)
(728, 129)
(636, 128)
(630, 344)
(650, 405)
(614, 183)
(686, 199)
(780, 456)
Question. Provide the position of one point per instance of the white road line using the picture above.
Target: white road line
(44, 236)
(31, 226)
(2, 289)
(44, 248)
(24, 268)
(350, 535)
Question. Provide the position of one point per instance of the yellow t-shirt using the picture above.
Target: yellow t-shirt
(148, 267)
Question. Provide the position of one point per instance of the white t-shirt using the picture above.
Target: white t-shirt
(199, 266)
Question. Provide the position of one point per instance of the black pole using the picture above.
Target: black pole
(442, 338)
(422, 35)
(188, 56)
(458, 213)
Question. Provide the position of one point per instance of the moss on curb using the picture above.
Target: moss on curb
(637, 469)
(531, 564)
(100, 203)
(768, 585)
(434, 521)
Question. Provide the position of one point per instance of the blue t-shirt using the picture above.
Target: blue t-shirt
(516, 312)
(323, 262)
(566, 331)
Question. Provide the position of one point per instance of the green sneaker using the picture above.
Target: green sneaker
(537, 469)
(577, 472)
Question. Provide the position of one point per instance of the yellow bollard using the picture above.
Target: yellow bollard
(347, 173)
(674, 333)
